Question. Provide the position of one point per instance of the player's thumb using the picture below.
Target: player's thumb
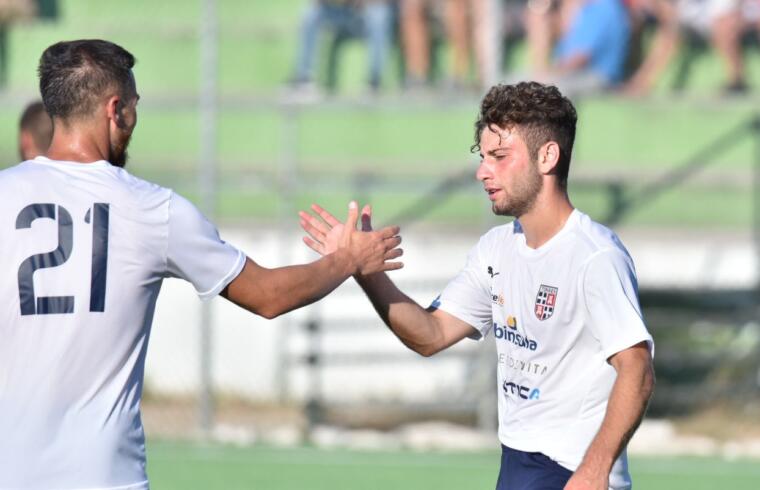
(367, 218)
(353, 216)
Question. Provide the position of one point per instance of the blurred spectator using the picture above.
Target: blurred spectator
(719, 21)
(592, 42)
(415, 40)
(369, 19)
(35, 131)
(473, 26)
(751, 15)
(11, 11)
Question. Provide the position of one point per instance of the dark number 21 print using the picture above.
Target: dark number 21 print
(31, 305)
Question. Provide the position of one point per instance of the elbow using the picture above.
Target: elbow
(425, 350)
(269, 314)
(269, 310)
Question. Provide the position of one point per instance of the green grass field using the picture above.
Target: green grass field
(173, 466)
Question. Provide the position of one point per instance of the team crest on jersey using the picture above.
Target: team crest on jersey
(545, 302)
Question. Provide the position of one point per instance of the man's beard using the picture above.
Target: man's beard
(117, 153)
(523, 198)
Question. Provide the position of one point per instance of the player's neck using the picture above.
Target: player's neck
(546, 218)
(79, 143)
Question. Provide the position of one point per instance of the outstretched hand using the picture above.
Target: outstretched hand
(373, 251)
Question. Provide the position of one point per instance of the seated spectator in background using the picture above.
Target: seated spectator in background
(544, 21)
(750, 14)
(474, 27)
(369, 19)
(592, 44)
(35, 131)
(11, 11)
(415, 40)
(719, 21)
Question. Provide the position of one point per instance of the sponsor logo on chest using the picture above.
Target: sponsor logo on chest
(523, 366)
(514, 390)
(546, 301)
(509, 333)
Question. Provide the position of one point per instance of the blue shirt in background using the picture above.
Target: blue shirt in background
(600, 30)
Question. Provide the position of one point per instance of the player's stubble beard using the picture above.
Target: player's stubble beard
(523, 196)
(117, 151)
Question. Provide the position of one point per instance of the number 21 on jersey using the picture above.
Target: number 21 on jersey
(31, 305)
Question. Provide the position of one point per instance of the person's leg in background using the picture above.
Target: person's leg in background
(457, 17)
(378, 23)
(725, 36)
(488, 21)
(416, 42)
(316, 16)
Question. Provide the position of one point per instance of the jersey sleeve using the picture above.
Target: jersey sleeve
(467, 296)
(196, 253)
(610, 293)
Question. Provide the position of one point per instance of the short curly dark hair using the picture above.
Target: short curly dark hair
(539, 112)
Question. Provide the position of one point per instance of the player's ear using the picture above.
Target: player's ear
(113, 109)
(548, 157)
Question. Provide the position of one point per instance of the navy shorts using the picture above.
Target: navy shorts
(530, 471)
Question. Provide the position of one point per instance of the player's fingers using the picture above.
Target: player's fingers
(325, 215)
(353, 216)
(394, 254)
(314, 223)
(367, 218)
(316, 235)
(389, 231)
(313, 245)
(392, 242)
(392, 266)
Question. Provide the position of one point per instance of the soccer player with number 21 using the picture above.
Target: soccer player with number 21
(84, 247)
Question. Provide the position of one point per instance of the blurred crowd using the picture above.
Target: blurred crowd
(583, 46)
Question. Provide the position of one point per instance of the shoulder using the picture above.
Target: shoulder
(16, 170)
(139, 187)
(596, 239)
(497, 237)
(502, 232)
(21, 178)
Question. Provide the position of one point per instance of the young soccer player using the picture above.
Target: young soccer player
(556, 289)
(84, 247)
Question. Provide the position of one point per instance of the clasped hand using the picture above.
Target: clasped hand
(371, 250)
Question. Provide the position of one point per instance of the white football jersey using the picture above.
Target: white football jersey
(558, 313)
(83, 250)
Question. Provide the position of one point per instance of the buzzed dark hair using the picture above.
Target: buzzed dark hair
(36, 121)
(541, 114)
(74, 75)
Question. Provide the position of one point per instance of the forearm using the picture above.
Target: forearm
(625, 409)
(411, 323)
(272, 292)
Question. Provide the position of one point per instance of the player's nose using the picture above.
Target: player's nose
(483, 172)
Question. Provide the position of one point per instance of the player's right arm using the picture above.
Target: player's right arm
(425, 331)
(196, 253)
(272, 292)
